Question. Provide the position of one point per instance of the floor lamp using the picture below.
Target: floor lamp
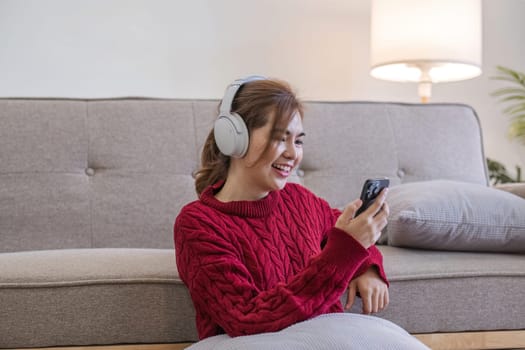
(425, 41)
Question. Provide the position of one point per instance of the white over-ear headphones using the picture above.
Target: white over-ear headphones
(230, 131)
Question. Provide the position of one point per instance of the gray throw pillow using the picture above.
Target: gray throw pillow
(450, 215)
(329, 331)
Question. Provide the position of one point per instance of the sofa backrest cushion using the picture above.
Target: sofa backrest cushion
(347, 143)
(115, 173)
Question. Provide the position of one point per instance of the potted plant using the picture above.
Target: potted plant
(498, 174)
(514, 94)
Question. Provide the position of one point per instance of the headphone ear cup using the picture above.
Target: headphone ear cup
(231, 135)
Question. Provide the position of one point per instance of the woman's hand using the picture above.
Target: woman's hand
(366, 227)
(373, 291)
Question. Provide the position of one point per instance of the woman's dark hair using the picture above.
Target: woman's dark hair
(255, 102)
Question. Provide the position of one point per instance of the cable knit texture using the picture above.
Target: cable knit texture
(260, 266)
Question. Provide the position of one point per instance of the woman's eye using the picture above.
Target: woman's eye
(299, 142)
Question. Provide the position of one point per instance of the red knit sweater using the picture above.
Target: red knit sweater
(259, 266)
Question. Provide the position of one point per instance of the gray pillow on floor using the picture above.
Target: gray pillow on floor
(338, 331)
(450, 215)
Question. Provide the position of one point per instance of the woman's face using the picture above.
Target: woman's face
(269, 171)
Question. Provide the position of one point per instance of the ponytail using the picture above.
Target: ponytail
(214, 165)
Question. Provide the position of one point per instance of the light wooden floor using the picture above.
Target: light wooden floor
(435, 341)
(474, 340)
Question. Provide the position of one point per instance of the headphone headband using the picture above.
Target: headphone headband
(231, 91)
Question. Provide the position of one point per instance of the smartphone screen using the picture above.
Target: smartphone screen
(371, 189)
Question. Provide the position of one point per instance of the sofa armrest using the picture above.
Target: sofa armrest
(515, 188)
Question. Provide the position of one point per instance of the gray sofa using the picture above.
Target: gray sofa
(89, 190)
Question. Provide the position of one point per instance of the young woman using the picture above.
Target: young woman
(259, 254)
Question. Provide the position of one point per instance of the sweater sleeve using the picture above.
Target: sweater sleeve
(375, 258)
(220, 284)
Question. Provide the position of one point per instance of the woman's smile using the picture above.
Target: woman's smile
(282, 169)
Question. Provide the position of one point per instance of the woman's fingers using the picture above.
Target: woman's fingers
(367, 303)
(373, 291)
(348, 214)
(365, 228)
(352, 291)
(376, 207)
(386, 299)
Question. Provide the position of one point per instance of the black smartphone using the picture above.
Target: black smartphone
(371, 189)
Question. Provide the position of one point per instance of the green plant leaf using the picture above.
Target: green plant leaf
(515, 96)
(508, 91)
(512, 79)
(513, 109)
(517, 76)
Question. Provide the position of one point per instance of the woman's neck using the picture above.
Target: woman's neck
(237, 189)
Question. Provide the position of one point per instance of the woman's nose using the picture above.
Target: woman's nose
(290, 152)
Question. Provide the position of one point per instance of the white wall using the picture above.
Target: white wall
(192, 49)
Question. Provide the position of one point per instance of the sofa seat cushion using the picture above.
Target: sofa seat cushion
(453, 291)
(109, 296)
(92, 296)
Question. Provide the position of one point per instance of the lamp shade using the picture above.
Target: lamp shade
(427, 41)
